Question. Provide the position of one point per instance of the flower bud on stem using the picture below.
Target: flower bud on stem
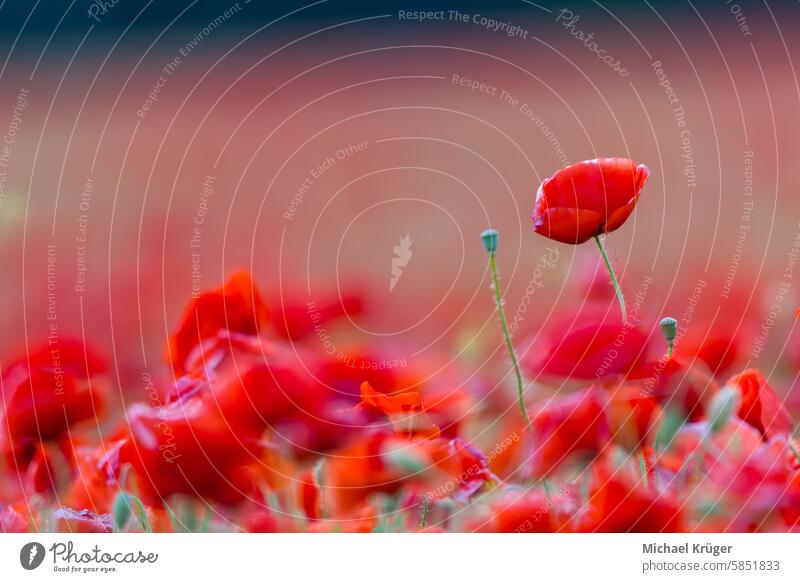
(669, 329)
(490, 241)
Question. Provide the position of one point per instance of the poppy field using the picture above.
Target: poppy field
(493, 268)
(612, 423)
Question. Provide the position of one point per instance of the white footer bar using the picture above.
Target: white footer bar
(400, 557)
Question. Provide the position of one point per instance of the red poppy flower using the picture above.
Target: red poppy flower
(405, 411)
(618, 506)
(187, 447)
(51, 466)
(46, 404)
(442, 393)
(632, 416)
(259, 390)
(522, 513)
(745, 480)
(257, 384)
(46, 393)
(299, 320)
(404, 403)
(236, 306)
(97, 475)
(568, 425)
(691, 440)
(383, 463)
(71, 355)
(588, 199)
(263, 520)
(591, 349)
(676, 384)
(719, 346)
(760, 406)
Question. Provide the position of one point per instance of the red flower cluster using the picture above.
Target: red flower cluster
(260, 429)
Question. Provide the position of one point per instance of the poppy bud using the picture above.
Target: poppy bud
(669, 329)
(490, 239)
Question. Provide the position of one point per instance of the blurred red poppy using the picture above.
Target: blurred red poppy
(588, 198)
(187, 447)
(515, 512)
(569, 425)
(46, 393)
(584, 347)
(682, 386)
(632, 416)
(617, 505)
(236, 306)
(263, 520)
(745, 481)
(299, 320)
(257, 384)
(760, 406)
(383, 462)
(404, 410)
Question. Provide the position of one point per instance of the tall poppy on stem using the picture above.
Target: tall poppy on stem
(490, 239)
(587, 199)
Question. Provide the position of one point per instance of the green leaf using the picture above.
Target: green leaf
(121, 510)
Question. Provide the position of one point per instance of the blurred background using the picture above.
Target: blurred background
(342, 149)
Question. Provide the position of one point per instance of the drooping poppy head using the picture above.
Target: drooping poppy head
(236, 306)
(588, 198)
(760, 406)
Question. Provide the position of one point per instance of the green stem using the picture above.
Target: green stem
(319, 478)
(504, 324)
(546, 487)
(143, 521)
(613, 278)
(670, 349)
(643, 466)
(205, 525)
(425, 508)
